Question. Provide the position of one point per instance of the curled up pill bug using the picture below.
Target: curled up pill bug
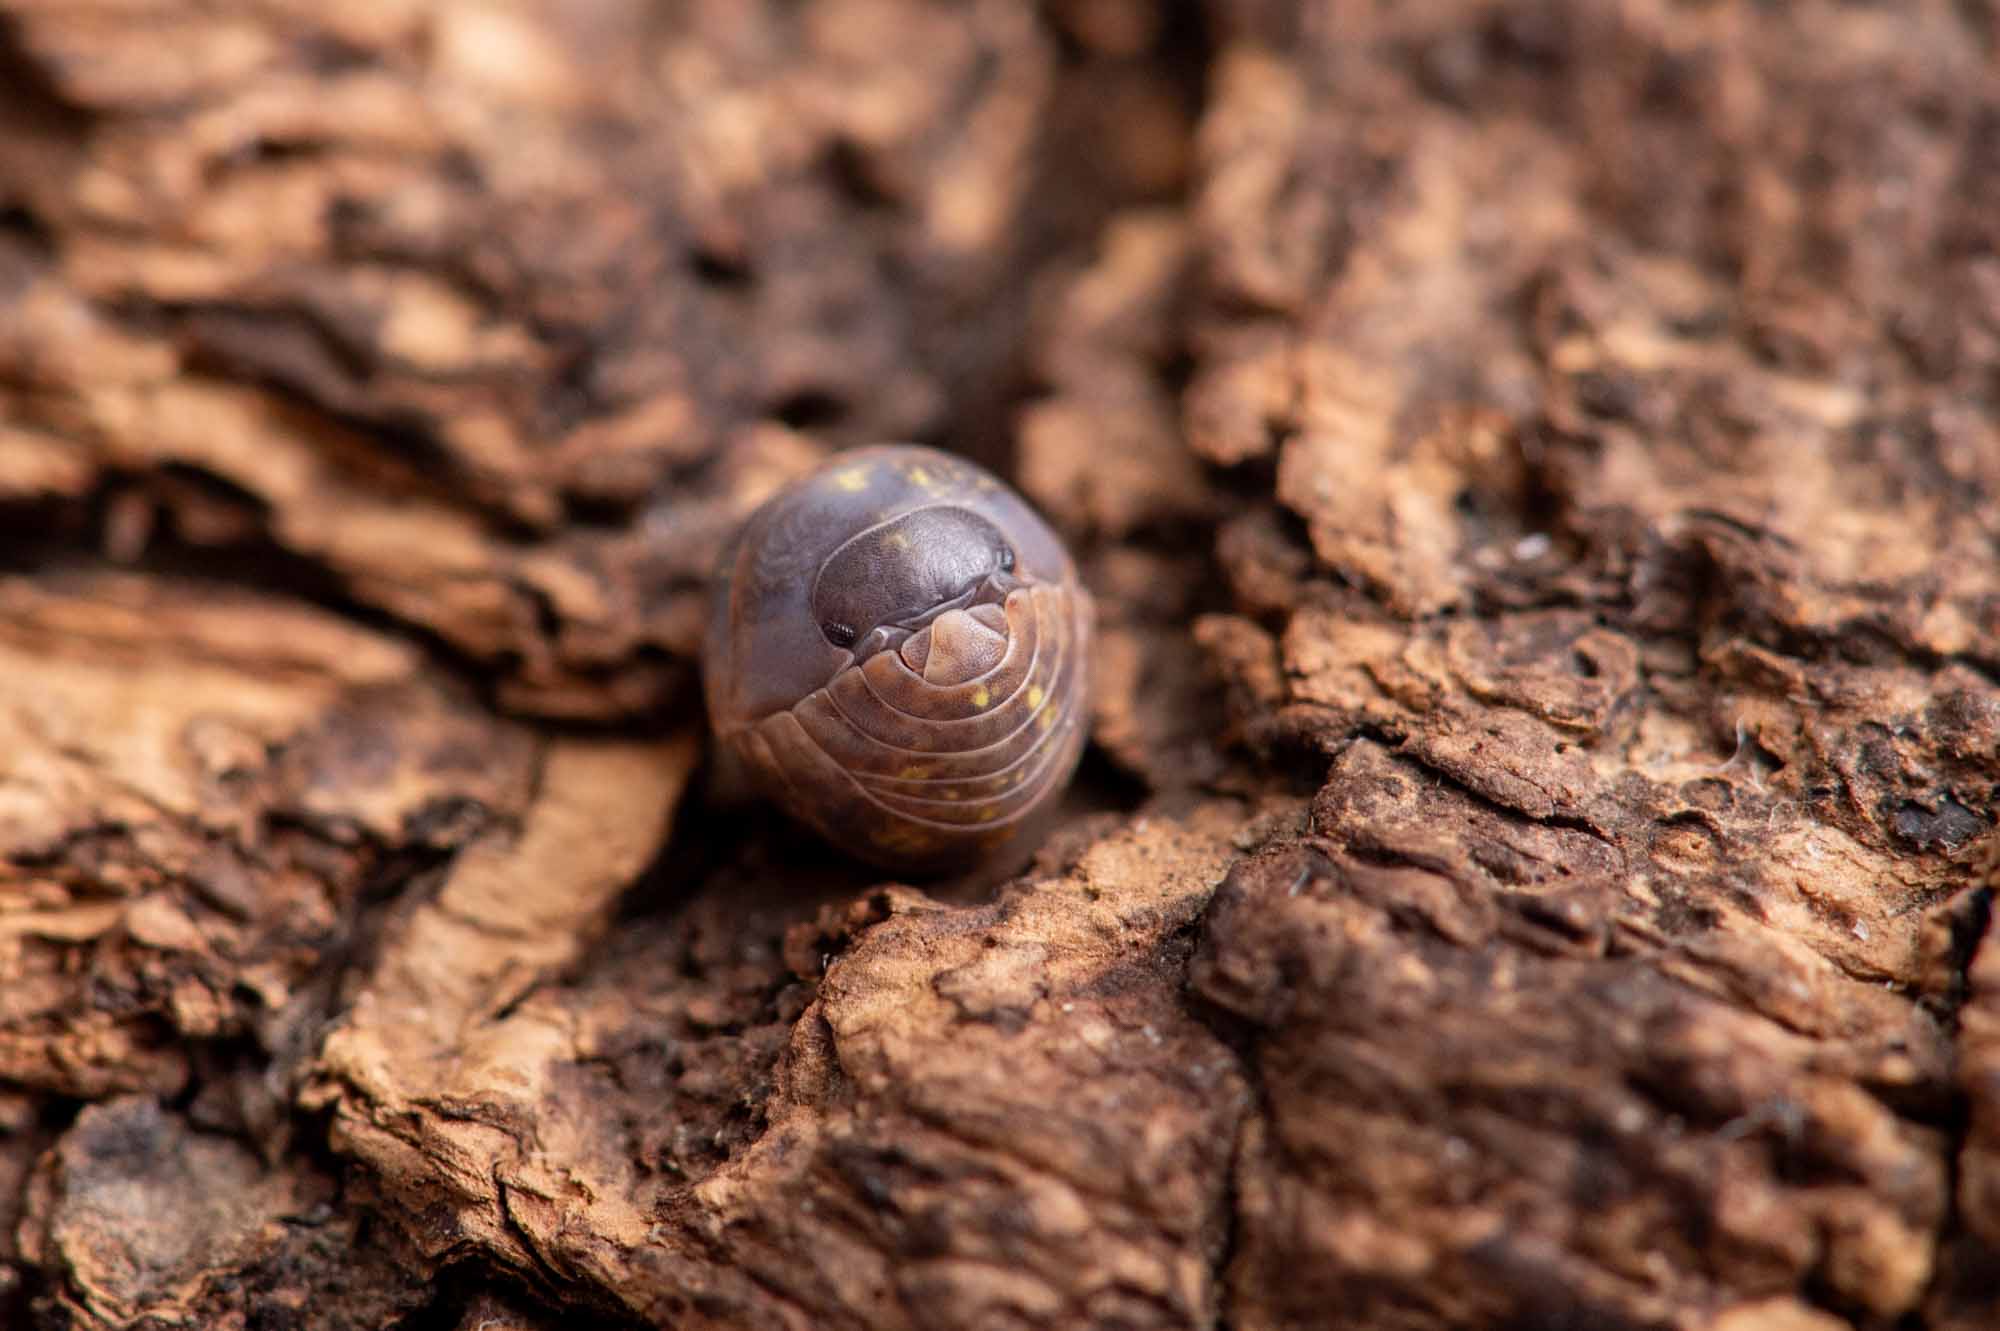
(897, 655)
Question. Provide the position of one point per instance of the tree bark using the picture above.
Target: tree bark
(1538, 465)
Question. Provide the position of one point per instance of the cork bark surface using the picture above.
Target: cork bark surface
(1538, 466)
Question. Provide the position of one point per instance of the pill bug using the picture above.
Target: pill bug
(897, 654)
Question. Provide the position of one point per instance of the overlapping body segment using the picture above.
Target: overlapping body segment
(899, 654)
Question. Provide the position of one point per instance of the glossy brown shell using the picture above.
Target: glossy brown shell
(894, 767)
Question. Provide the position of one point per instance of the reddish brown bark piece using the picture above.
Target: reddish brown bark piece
(429, 283)
(1962, 949)
(1673, 662)
(1597, 1128)
(1971, 921)
(152, 1223)
(199, 787)
(945, 1130)
(1538, 466)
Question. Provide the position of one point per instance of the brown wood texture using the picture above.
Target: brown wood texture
(1538, 465)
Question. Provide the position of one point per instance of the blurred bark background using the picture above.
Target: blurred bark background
(1539, 465)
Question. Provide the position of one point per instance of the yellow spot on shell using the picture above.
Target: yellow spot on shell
(1035, 695)
(1046, 719)
(914, 772)
(852, 480)
(981, 698)
(899, 541)
(988, 814)
(901, 836)
(920, 477)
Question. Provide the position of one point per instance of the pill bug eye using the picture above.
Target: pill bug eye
(1006, 559)
(840, 635)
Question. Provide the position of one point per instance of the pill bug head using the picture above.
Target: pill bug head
(901, 573)
(897, 652)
